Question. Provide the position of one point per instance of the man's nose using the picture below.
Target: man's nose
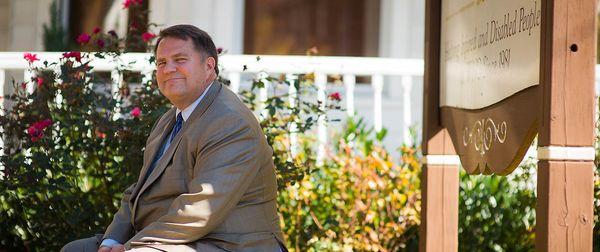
(169, 67)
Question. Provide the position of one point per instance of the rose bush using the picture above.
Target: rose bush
(73, 144)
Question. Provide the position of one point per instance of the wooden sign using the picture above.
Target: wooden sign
(489, 76)
(483, 101)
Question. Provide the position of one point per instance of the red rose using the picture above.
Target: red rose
(84, 38)
(36, 130)
(147, 36)
(34, 133)
(40, 81)
(335, 96)
(76, 55)
(128, 3)
(100, 43)
(97, 30)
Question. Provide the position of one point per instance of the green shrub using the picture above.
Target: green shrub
(497, 213)
(359, 200)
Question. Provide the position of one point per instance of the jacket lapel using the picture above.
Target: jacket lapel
(168, 155)
(163, 128)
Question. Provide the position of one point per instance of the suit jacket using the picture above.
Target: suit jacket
(214, 187)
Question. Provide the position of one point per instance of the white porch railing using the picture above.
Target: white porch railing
(233, 69)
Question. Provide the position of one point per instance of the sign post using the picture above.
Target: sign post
(439, 181)
(565, 143)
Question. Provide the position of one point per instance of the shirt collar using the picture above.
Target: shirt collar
(189, 109)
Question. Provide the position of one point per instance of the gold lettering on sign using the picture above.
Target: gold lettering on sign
(483, 134)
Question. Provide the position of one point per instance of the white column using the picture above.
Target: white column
(235, 79)
(321, 82)
(293, 95)
(377, 82)
(228, 25)
(349, 83)
(263, 95)
(28, 75)
(406, 107)
(116, 78)
(402, 27)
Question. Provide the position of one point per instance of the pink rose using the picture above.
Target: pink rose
(136, 112)
(84, 38)
(147, 36)
(40, 81)
(30, 57)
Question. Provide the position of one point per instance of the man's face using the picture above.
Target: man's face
(181, 73)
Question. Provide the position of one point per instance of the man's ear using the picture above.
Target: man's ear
(210, 63)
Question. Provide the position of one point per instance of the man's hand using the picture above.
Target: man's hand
(114, 248)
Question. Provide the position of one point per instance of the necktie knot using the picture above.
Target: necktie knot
(177, 127)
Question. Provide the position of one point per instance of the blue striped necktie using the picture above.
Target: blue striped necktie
(177, 127)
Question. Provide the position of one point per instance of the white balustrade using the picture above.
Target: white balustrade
(321, 83)
(406, 108)
(263, 95)
(235, 79)
(349, 83)
(377, 82)
(292, 96)
(27, 76)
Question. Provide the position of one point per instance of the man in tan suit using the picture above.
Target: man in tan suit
(208, 180)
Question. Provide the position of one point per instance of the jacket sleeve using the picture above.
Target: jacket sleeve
(224, 168)
(120, 229)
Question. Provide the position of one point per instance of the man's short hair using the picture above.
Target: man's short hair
(203, 43)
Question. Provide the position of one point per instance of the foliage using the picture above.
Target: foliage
(282, 115)
(70, 149)
(597, 182)
(359, 200)
(497, 213)
(72, 142)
